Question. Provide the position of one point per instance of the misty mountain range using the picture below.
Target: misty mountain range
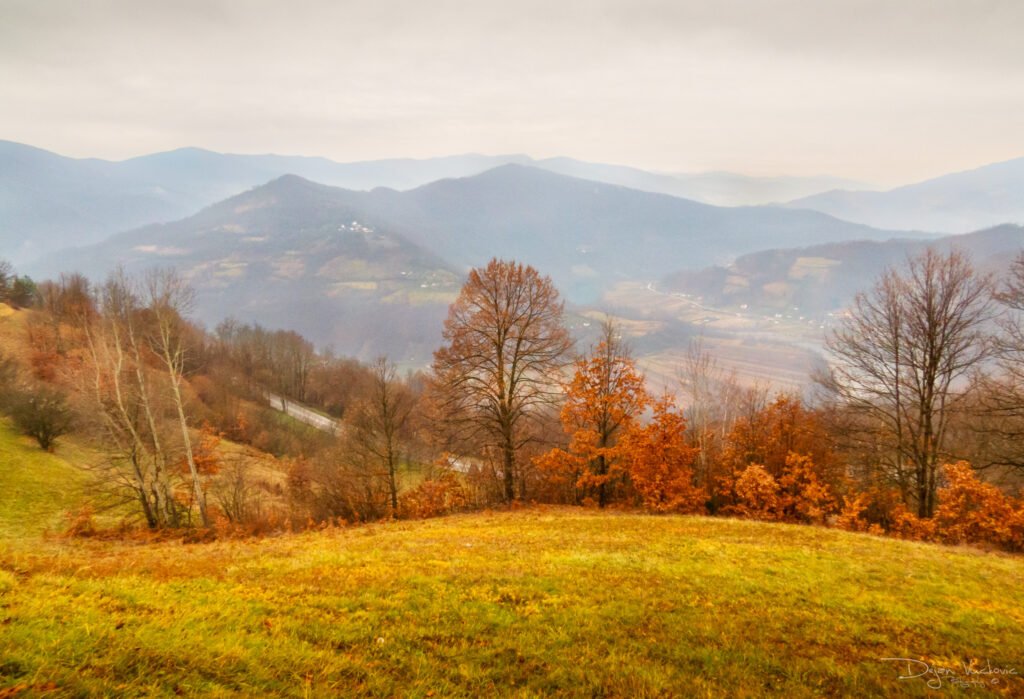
(366, 256)
(824, 278)
(293, 252)
(956, 203)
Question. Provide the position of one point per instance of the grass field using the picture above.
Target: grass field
(37, 488)
(537, 602)
(529, 603)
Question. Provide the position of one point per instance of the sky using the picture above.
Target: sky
(883, 91)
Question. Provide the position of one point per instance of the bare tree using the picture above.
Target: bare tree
(125, 402)
(169, 299)
(900, 363)
(1001, 426)
(506, 348)
(379, 427)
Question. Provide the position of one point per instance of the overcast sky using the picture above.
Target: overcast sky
(886, 91)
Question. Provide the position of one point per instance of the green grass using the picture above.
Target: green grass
(530, 603)
(36, 487)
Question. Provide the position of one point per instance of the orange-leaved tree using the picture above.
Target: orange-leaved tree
(603, 399)
(805, 498)
(660, 461)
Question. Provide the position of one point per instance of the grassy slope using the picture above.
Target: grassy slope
(531, 603)
(37, 488)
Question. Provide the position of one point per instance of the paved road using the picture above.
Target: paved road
(304, 414)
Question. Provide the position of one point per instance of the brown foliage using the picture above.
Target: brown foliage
(906, 525)
(971, 511)
(769, 436)
(851, 517)
(804, 497)
(80, 523)
(602, 402)
(756, 494)
(440, 495)
(660, 462)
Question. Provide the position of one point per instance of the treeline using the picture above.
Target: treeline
(914, 431)
(16, 291)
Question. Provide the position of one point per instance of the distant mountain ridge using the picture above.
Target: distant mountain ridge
(338, 264)
(299, 255)
(48, 201)
(956, 203)
(587, 234)
(825, 278)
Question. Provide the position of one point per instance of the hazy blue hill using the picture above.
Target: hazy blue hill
(955, 203)
(825, 278)
(588, 235)
(374, 271)
(294, 254)
(718, 188)
(49, 202)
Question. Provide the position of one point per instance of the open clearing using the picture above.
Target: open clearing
(531, 603)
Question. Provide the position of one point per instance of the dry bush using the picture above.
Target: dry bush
(972, 511)
(440, 495)
(81, 523)
(756, 495)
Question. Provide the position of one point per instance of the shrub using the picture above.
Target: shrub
(81, 523)
(757, 494)
(437, 496)
(41, 413)
(906, 525)
(972, 511)
(851, 515)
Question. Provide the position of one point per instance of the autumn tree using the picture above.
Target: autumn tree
(660, 461)
(602, 400)
(64, 302)
(505, 348)
(768, 436)
(900, 361)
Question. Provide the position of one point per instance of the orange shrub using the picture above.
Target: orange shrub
(906, 525)
(851, 515)
(659, 462)
(757, 494)
(440, 495)
(972, 511)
